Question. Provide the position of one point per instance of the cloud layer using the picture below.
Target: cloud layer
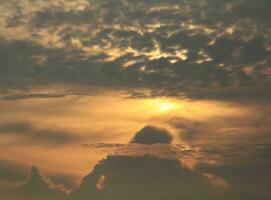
(198, 48)
(28, 133)
(226, 173)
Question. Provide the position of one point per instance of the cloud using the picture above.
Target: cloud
(250, 180)
(197, 49)
(38, 187)
(217, 181)
(126, 177)
(152, 135)
(13, 174)
(150, 177)
(225, 129)
(150, 140)
(138, 171)
(200, 145)
(103, 145)
(11, 171)
(200, 50)
(28, 133)
(31, 96)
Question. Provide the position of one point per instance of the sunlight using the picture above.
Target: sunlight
(165, 106)
(162, 105)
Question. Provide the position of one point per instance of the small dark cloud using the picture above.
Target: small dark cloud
(29, 133)
(31, 96)
(13, 173)
(152, 135)
(103, 145)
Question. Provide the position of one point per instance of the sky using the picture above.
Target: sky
(135, 99)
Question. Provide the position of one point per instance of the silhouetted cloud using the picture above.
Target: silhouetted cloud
(224, 172)
(152, 135)
(125, 177)
(38, 187)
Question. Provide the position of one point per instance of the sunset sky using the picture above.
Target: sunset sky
(135, 99)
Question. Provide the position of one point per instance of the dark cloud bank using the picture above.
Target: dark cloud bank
(224, 47)
(148, 177)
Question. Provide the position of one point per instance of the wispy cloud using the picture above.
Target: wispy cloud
(29, 133)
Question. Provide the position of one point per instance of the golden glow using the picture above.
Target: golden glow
(162, 105)
(106, 118)
(100, 183)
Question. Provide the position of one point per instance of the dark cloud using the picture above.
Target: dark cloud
(38, 187)
(198, 49)
(31, 96)
(238, 168)
(152, 135)
(26, 133)
(250, 181)
(240, 171)
(124, 177)
(103, 145)
(11, 171)
(13, 174)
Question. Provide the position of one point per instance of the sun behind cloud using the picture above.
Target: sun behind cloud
(160, 105)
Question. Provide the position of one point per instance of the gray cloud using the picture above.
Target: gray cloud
(28, 133)
(30, 96)
(198, 49)
(103, 145)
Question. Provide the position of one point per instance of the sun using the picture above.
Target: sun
(161, 105)
(165, 106)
